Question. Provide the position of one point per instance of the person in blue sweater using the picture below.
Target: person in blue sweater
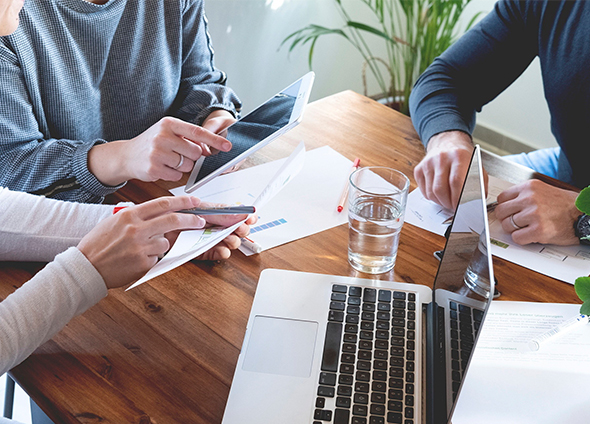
(95, 93)
(478, 67)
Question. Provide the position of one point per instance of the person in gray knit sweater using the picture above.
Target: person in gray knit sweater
(95, 93)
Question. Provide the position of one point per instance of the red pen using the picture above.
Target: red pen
(344, 196)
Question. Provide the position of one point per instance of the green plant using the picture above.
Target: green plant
(582, 284)
(415, 32)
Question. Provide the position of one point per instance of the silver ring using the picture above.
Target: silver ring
(180, 163)
(514, 224)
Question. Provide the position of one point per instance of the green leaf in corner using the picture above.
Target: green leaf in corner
(583, 201)
(585, 308)
(582, 286)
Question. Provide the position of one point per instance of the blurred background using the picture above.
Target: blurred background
(247, 36)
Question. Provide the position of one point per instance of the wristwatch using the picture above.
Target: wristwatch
(582, 229)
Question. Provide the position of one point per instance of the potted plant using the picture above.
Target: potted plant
(582, 284)
(415, 32)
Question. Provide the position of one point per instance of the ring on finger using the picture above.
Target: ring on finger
(180, 162)
(514, 224)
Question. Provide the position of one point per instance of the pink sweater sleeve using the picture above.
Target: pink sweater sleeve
(35, 228)
(39, 309)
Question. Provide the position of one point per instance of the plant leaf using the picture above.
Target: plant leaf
(583, 201)
(370, 29)
(585, 308)
(582, 287)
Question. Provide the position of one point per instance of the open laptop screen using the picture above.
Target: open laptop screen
(462, 293)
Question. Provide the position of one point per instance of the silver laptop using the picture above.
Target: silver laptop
(329, 349)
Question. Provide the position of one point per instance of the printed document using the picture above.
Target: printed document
(565, 263)
(508, 383)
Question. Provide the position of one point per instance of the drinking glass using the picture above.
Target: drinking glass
(376, 207)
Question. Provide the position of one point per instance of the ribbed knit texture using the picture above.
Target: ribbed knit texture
(75, 74)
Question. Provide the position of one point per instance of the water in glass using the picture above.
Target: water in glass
(374, 227)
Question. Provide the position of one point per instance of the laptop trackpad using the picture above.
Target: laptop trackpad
(281, 346)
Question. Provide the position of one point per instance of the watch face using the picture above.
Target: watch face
(583, 229)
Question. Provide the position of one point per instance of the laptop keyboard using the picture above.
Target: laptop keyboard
(465, 322)
(369, 359)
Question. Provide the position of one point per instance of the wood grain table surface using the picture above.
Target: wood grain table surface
(165, 352)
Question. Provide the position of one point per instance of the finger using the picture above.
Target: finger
(165, 173)
(508, 208)
(457, 177)
(514, 222)
(524, 236)
(186, 148)
(428, 178)
(509, 194)
(157, 246)
(197, 134)
(252, 219)
(485, 182)
(419, 177)
(206, 149)
(220, 252)
(232, 241)
(441, 188)
(225, 220)
(174, 221)
(186, 164)
(163, 205)
(216, 253)
(218, 124)
(242, 231)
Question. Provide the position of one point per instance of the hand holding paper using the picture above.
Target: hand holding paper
(191, 244)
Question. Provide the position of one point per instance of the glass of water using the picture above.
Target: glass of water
(477, 276)
(376, 207)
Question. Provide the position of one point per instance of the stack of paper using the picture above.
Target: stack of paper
(508, 383)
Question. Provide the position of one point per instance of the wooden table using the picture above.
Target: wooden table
(166, 351)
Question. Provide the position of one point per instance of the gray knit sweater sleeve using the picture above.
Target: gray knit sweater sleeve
(76, 74)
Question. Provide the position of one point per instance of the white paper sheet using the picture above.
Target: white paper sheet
(306, 206)
(565, 263)
(191, 244)
(508, 383)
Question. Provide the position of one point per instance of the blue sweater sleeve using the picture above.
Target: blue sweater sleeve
(474, 70)
(31, 162)
(202, 87)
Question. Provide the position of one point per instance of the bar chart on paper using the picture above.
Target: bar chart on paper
(268, 225)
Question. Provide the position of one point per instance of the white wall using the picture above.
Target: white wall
(247, 34)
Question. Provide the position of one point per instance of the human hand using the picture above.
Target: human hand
(536, 212)
(217, 122)
(441, 173)
(126, 245)
(223, 250)
(164, 151)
